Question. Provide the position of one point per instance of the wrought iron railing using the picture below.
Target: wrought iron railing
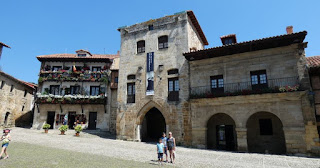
(246, 88)
(72, 76)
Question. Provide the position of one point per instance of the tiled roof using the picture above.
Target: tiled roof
(29, 85)
(4, 45)
(247, 46)
(313, 61)
(75, 57)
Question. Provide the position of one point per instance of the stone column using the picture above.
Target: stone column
(138, 139)
(295, 139)
(167, 130)
(242, 139)
(199, 137)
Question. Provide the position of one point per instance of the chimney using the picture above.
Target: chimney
(289, 29)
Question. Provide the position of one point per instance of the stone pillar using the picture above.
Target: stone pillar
(242, 139)
(138, 136)
(295, 139)
(167, 130)
(199, 137)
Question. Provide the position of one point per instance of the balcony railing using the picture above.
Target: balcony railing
(64, 75)
(70, 99)
(246, 88)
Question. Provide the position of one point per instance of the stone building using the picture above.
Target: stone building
(16, 101)
(252, 96)
(153, 77)
(76, 86)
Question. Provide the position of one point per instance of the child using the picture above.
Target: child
(164, 141)
(5, 143)
(160, 150)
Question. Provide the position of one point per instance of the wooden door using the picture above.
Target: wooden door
(92, 120)
(50, 118)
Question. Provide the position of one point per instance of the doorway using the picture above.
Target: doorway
(50, 118)
(92, 120)
(71, 119)
(221, 133)
(153, 126)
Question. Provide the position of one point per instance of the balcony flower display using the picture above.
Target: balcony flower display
(289, 88)
(70, 99)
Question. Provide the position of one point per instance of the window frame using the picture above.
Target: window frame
(131, 96)
(54, 87)
(257, 84)
(96, 67)
(218, 89)
(141, 46)
(58, 67)
(174, 94)
(163, 42)
(74, 86)
(91, 90)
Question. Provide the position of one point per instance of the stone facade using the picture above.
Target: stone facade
(77, 86)
(16, 101)
(183, 34)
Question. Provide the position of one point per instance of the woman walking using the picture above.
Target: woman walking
(5, 143)
(171, 144)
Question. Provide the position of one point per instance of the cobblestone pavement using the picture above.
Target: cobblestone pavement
(143, 152)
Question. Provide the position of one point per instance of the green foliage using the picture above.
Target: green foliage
(40, 80)
(46, 126)
(63, 128)
(78, 128)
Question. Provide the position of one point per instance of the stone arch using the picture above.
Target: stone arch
(265, 133)
(221, 132)
(147, 107)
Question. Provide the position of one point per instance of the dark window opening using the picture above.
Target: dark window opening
(217, 84)
(55, 89)
(228, 41)
(150, 27)
(173, 71)
(96, 69)
(74, 90)
(22, 108)
(131, 92)
(173, 89)
(259, 79)
(25, 93)
(82, 55)
(141, 46)
(2, 84)
(11, 89)
(116, 79)
(56, 68)
(265, 127)
(131, 77)
(163, 42)
(94, 90)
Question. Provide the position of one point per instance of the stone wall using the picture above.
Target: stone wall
(181, 37)
(18, 106)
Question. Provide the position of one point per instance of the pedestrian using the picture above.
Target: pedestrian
(171, 143)
(5, 138)
(164, 141)
(160, 150)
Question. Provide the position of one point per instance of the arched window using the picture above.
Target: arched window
(131, 77)
(173, 71)
(163, 42)
(141, 46)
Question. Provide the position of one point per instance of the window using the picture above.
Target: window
(94, 90)
(150, 27)
(116, 80)
(74, 90)
(96, 69)
(55, 89)
(228, 41)
(173, 71)
(131, 92)
(173, 89)
(265, 127)
(131, 77)
(56, 68)
(259, 79)
(2, 84)
(217, 84)
(11, 89)
(141, 46)
(25, 93)
(22, 108)
(163, 42)
(82, 55)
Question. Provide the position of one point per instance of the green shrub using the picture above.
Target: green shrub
(46, 126)
(78, 128)
(63, 128)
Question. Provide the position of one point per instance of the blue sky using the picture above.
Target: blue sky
(39, 27)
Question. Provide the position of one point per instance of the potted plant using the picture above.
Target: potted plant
(63, 129)
(46, 127)
(78, 129)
